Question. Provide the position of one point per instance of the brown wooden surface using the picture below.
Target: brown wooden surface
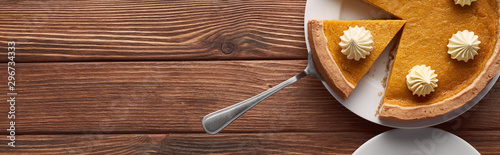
(95, 30)
(138, 76)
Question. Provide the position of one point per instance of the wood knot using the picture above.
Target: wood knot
(227, 48)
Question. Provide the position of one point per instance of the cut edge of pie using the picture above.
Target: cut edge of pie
(326, 65)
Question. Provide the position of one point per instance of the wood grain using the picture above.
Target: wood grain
(153, 30)
(172, 97)
(239, 143)
(486, 142)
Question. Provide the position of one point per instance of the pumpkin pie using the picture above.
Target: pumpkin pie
(429, 27)
(341, 73)
(423, 48)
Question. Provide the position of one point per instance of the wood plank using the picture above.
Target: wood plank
(159, 97)
(239, 143)
(486, 142)
(100, 30)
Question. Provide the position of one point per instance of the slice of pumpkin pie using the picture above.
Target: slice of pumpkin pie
(343, 51)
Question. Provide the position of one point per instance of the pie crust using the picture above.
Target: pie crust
(323, 60)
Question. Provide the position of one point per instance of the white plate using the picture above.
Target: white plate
(365, 99)
(427, 141)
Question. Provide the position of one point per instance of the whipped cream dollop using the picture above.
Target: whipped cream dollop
(463, 45)
(421, 80)
(356, 43)
(464, 2)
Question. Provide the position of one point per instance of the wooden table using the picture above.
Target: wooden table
(138, 76)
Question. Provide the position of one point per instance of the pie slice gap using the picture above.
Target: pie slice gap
(339, 72)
